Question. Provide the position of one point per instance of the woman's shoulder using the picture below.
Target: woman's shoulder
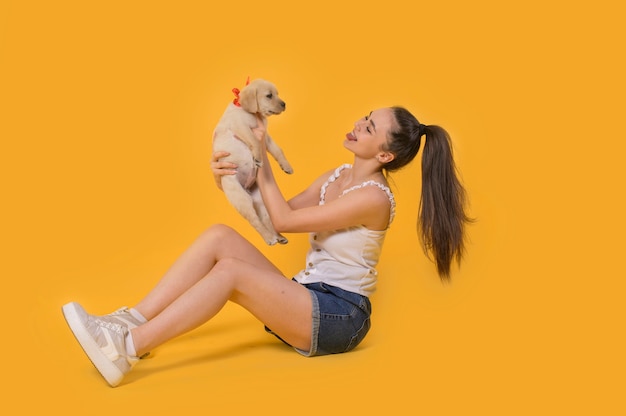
(377, 201)
(373, 189)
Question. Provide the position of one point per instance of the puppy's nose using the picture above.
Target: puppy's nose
(283, 105)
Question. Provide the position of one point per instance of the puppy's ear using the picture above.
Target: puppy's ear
(247, 99)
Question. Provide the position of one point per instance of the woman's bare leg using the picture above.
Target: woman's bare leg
(216, 243)
(280, 303)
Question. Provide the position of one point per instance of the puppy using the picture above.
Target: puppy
(233, 134)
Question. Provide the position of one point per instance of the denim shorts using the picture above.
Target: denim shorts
(341, 319)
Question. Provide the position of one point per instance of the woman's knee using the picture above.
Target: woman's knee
(219, 232)
(219, 229)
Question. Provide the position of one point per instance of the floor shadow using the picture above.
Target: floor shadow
(262, 343)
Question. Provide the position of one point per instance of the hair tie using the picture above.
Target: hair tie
(421, 130)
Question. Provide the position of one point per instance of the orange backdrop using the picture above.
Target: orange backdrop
(106, 115)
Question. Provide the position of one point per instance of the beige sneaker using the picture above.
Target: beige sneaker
(103, 338)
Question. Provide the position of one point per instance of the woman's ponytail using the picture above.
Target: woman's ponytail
(442, 217)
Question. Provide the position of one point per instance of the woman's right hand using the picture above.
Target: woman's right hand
(221, 168)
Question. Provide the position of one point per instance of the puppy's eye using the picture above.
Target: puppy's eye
(269, 95)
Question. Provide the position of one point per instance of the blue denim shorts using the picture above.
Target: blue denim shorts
(341, 319)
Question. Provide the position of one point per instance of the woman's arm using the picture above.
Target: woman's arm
(311, 195)
(365, 206)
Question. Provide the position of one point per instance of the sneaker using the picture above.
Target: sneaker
(104, 341)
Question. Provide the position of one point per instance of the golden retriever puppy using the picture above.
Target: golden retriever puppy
(233, 134)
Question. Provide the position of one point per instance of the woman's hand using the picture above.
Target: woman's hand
(259, 130)
(221, 168)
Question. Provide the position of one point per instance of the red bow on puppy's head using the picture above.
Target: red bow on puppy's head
(236, 92)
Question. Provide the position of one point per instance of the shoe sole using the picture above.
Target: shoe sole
(105, 367)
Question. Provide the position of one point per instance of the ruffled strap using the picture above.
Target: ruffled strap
(335, 175)
(330, 180)
(392, 200)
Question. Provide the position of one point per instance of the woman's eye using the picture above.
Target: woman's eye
(368, 130)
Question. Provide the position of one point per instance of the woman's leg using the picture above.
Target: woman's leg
(219, 266)
(216, 243)
(279, 303)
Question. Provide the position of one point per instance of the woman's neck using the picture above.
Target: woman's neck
(363, 170)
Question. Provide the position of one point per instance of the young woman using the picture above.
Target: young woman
(325, 308)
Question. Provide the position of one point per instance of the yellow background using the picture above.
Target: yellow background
(106, 114)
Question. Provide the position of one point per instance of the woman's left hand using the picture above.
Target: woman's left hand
(221, 168)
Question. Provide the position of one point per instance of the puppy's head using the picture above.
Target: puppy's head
(261, 97)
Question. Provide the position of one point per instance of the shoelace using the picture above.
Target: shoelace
(110, 325)
(120, 311)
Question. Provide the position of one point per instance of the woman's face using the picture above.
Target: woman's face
(370, 133)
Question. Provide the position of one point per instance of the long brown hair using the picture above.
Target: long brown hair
(442, 217)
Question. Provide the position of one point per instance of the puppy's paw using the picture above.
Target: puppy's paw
(277, 239)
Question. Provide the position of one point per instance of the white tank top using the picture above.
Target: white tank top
(346, 258)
